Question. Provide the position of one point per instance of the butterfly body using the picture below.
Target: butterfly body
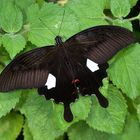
(67, 64)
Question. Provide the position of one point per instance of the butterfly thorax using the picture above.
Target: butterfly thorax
(58, 41)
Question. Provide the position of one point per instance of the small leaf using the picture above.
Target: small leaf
(138, 111)
(87, 17)
(133, 2)
(120, 8)
(13, 44)
(8, 101)
(110, 119)
(11, 18)
(26, 132)
(131, 130)
(124, 71)
(10, 126)
(122, 23)
(81, 131)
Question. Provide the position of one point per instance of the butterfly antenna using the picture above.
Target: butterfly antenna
(61, 22)
(46, 26)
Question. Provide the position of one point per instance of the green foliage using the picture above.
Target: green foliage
(109, 119)
(10, 126)
(30, 23)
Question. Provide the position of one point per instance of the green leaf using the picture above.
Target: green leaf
(138, 111)
(120, 8)
(8, 101)
(81, 131)
(24, 4)
(124, 71)
(84, 103)
(42, 115)
(123, 23)
(110, 119)
(26, 132)
(133, 2)
(13, 43)
(10, 126)
(42, 30)
(11, 18)
(131, 130)
(88, 16)
(0, 41)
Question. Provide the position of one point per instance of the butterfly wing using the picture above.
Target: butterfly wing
(100, 43)
(28, 70)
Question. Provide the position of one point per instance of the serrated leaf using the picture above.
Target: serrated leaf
(39, 114)
(88, 17)
(10, 126)
(26, 132)
(122, 23)
(110, 119)
(13, 43)
(84, 103)
(11, 18)
(40, 32)
(120, 8)
(42, 115)
(124, 71)
(131, 130)
(8, 101)
(81, 131)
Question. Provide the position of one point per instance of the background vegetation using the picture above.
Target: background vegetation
(27, 24)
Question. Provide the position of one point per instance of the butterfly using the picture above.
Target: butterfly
(64, 70)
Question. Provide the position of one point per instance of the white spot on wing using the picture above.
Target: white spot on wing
(92, 65)
(51, 81)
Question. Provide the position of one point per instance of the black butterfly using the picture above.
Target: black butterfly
(66, 62)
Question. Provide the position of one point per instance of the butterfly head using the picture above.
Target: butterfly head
(58, 41)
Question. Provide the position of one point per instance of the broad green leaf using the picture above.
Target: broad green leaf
(84, 103)
(26, 132)
(138, 111)
(110, 119)
(133, 2)
(0, 41)
(88, 16)
(120, 8)
(88, 8)
(11, 18)
(131, 130)
(81, 131)
(42, 30)
(123, 23)
(42, 115)
(13, 43)
(8, 101)
(124, 71)
(10, 126)
(24, 4)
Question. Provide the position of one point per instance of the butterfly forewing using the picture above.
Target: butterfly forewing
(100, 43)
(29, 70)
